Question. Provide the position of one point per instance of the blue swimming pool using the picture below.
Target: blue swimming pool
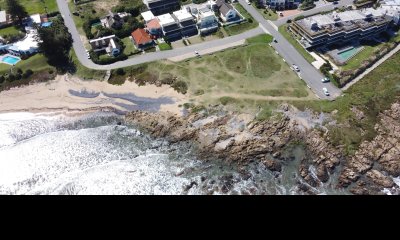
(11, 60)
(347, 54)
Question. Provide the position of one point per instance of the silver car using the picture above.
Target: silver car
(326, 92)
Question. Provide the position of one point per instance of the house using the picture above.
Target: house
(147, 16)
(227, 11)
(114, 20)
(280, 4)
(154, 28)
(3, 18)
(27, 46)
(159, 7)
(170, 27)
(340, 28)
(391, 8)
(206, 20)
(186, 23)
(142, 39)
(107, 44)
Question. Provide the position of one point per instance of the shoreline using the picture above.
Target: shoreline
(71, 94)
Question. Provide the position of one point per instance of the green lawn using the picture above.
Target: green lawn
(243, 27)
(372, 95)
(283, 30)
(129, 46)
(250, 76)
(266, 13)
(36, 63)
(35, 6)
(164, 46)
(9, 31)
(86, 73)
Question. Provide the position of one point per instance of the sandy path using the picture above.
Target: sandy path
(71, 93)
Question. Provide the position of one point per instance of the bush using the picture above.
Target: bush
(180, 86)
(2, 78)
(120, 71)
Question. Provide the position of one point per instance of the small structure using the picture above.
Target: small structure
(227, 11)
(158, 7)
(170, 27)
(107, 44)
(147, 16)
(114, 20)
(154, 28)
(186, 22)
(3, 18)
(142, 39)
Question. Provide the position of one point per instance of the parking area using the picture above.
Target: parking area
(288, 13)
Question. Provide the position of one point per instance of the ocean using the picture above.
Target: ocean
(98, 153)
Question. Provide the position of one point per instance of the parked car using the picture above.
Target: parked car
(248, 2)
(281, 14)
(326, 92)
(296, 68)
(325, 80)
(335, 2)
(275, 41)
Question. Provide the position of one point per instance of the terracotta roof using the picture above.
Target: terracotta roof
(153, 24)
(141, 36)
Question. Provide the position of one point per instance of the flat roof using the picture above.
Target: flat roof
(147, 16)
(36, 18)
(3, 16)
(183, 15)
(166, 19)
(29, 42)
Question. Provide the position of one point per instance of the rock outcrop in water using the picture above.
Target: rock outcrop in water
(375, 163)
(239, 139)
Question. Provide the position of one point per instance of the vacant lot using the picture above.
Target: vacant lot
(243, 78)
(35, 6)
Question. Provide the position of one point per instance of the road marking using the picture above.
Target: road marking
(272, 24)
(264, 29)
(276, 52)
(283, 59)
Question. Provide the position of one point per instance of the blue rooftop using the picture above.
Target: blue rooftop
(47, 24)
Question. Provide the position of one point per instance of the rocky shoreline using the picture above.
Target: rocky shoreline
(239, 139)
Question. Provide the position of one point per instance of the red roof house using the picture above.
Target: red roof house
(142, 39)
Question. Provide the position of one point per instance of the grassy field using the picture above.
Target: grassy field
(240, 28)
(36, 63)
(300, 49)
(164, 46)
(129, 47)
(372, 95)
(35, 6)
(9, 31)
(250, 77)
(266, 13)
(86, 73)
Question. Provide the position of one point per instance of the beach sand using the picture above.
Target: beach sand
(67, 93)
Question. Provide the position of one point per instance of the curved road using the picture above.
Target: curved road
(307, 72)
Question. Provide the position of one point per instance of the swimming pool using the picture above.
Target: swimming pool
(11, 60)
(347, 54)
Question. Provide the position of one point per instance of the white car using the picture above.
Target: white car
(248, 2)
(325, 91)
(196, 52)
(325, 80)
(296, 68)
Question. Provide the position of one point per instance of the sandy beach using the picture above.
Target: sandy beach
(67, 93)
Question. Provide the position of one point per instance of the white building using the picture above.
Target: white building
(147, 16)
(3, 18)
(27, 46)
(170, 27)
(107, 44)
(206, 20)
(391, 8)
(186, 22)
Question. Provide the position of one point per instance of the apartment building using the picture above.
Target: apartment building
(186, 23)
(170, 27)
(280, 4)
(340, 27)
(158, 7)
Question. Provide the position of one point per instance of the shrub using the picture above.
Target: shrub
(2, 78)
(120, 71)
(180, 86)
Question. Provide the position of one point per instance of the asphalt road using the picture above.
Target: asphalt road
(148, 57)
(308, 72)
(326, 7)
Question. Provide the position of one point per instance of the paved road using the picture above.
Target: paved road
(148, 57)
(326, 7)
(307, 72)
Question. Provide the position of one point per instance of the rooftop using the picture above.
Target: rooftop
(166, 19)
(3, 16)
(147, 16)
(141, 36)
(347, 20)
(183, 15)
(29, 42)
(153, 24)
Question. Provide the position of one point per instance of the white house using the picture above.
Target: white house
(27, 46)
(107, 44)
(3, 18)
(227, 11)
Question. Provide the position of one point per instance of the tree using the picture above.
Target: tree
(56, 42)
(16, 10)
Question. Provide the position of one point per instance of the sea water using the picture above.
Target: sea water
(98, 153)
